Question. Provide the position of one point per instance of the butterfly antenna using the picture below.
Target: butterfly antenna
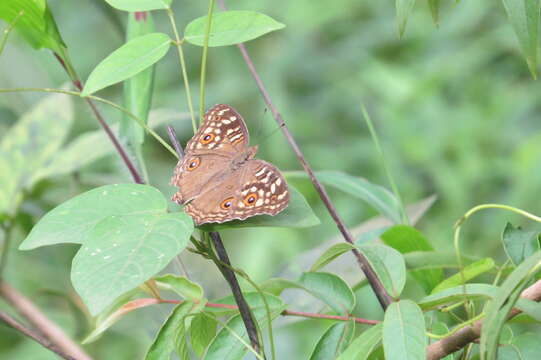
(268, 136)
(174, 140)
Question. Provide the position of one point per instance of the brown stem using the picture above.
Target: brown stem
(49, 329)
(229, 275)
(14, 324)
(471, 333)
(284, 313)
(383, 297)
(118, 147)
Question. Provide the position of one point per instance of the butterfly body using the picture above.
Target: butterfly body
(219, 180)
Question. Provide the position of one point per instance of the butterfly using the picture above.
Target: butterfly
(218, 178)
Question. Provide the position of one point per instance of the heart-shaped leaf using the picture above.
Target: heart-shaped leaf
(122, 252)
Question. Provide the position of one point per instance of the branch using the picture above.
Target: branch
(243, 307)
(11, 322)
(383, 297)
(49, 329)
(471, 333)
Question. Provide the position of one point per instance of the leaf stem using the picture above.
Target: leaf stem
(204, 60)
(386, 168)
(178, 44)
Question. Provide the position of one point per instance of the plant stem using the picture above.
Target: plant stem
(383, 297)
(45, 326)
(14, 324)
(178, 44)
(204, 60)
(229, 275)
(388, 173)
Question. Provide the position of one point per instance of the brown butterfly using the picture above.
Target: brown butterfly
(219, 180)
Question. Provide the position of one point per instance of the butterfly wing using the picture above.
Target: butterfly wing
(255, 189)
(209, 153)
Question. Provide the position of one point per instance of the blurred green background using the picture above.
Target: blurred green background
(455, 107)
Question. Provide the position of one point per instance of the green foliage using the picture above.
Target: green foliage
(328, 346)
(519, 244)
(182, 286)
(389, 267)
(230, 27)
(363, 345)
(466, 274)
(404, 331)
(130, 59)
(29, 145)
(139, 5)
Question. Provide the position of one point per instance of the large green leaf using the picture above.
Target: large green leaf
(519, 244)
(71, 221)
(230, 27)
(329, 288)
(469, 272)
(138, 90)
(525, 346)
(36, 23)
(376, 196)
(139, 5)
(122, 252)
(363, 345)
(503, 302)
(434, 260)
(404, 332)
(128, 60)
(389, 266)
(328, 346)
(407, 239)
(30, 144)
(297, 214)
(225, 345)
(172, 330)
(524, 17)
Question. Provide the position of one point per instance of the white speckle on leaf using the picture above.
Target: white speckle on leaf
(115, 245)
(98, 250)
(104, 192)
(161, 255)
(92, 254)
(106, 257)
(134, 193)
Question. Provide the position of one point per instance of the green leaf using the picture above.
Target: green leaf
(503, 302)
(458, 293)
(328, 346)
(376, 196)
(225, 345)
(36, 24)
(524, 17)
(298, 214)
(138, 89)
(173, 329)
(389, 266)
(330, 254)
(469, 272)
(230, 27)
(433, 260)
(519, 244)
(404, 332)
(122, 252)
(526, 346)
(407, 239)
(202, 331)
(139, 5)
(128, 60)
(371, 235)
(71, 221)
(30, 144)
(363, 345)
(531, 308)
(434, 6)
(182, 286)
(403, 11)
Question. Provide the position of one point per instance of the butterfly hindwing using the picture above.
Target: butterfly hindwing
(259, 189)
